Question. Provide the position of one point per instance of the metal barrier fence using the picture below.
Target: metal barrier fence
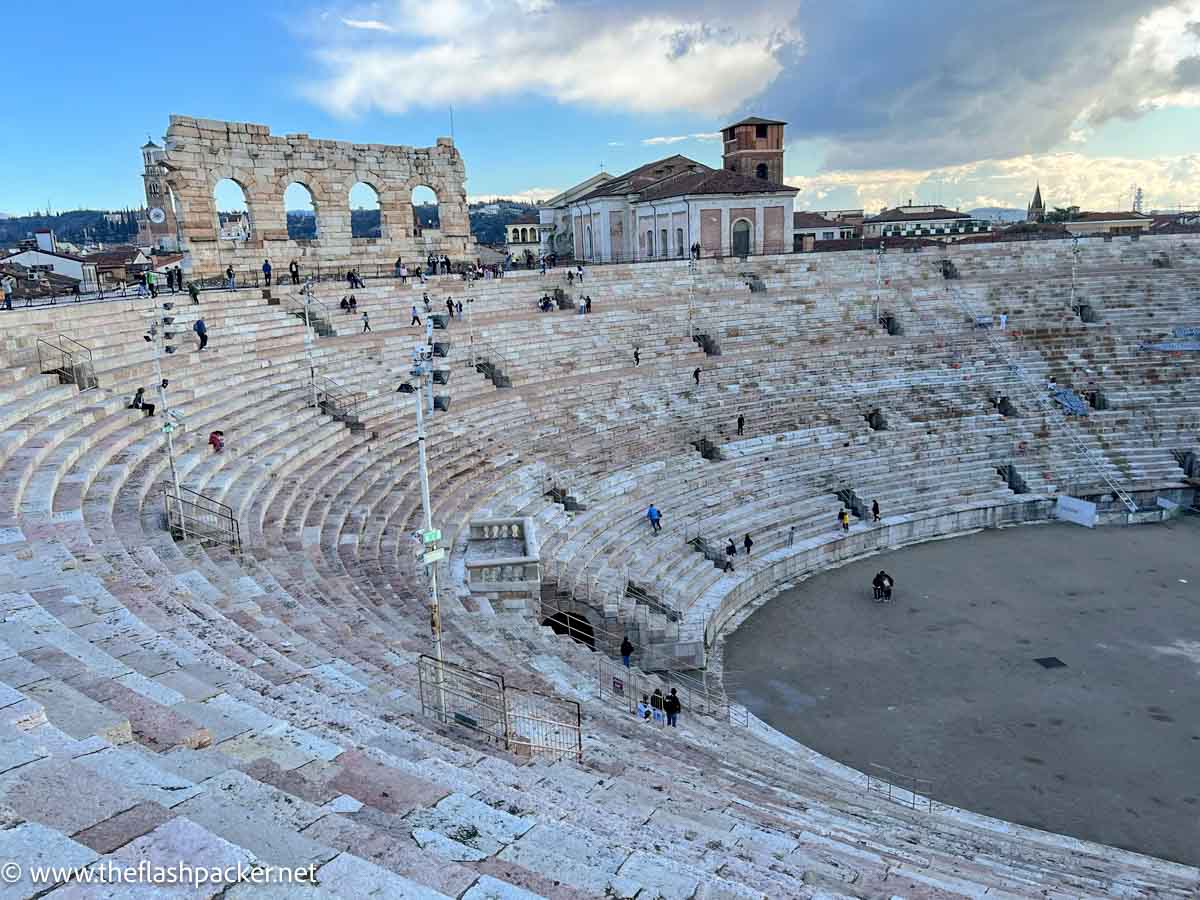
(543, 726)
(471, 700)
(70, 360)
(192, 515)
(627, 687)
(527, 723)
(907, 790)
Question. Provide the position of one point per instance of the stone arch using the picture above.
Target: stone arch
(741, 234)
(300, 212)
(232, 216)
(366, 211)
(422, 197)
(573, 624)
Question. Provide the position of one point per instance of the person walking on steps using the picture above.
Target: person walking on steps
(741, 425)
(294, 271)
(458, 308)
(844, 519)
(696, 375)
(672, 707)
(626, 650)
(637, 356)
(655, 517)
(731, 549)
(747, 543)
(366, 323)
(194, 292)
(201, 332)
(450, 307)
(792, 536)
(416, 320)
(875, 510)
(267, 272)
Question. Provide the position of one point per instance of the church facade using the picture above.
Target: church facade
(663, 209)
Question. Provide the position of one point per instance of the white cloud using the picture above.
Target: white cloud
(367, 25)
(1067, 179)
(680, 138)
(616, 143)
(705, 60)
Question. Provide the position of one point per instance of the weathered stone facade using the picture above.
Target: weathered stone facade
(201, 152)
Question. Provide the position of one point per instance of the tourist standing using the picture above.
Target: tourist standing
(875, 510)
(696, 375)
(844, 519)
(672, 706)
(656, 705)
(450, 307)
(792, 536)
(747, 543)
(416, 320)
(230, 280)
(626, 650)
(266, 272)
(741, 423)
(637, 356)
(201, 332)
(294, 271)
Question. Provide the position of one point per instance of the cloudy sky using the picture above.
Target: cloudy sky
(966, 103)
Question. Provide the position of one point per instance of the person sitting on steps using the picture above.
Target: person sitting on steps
(138, 403)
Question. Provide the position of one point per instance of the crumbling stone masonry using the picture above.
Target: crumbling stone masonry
(201, 152)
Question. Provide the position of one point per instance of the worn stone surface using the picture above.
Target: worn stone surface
(32, 844)
(107, 836)
(64, 795)
(354, 877)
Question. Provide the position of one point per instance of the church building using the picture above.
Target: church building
(662, 209)
(1037, 210)
(157, 225)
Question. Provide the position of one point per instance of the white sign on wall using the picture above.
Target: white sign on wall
(1072, 509)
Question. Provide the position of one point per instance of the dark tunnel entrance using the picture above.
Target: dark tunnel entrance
(574, 625)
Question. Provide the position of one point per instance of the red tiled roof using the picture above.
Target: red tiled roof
(899, 214)
(675, 176)
(1109, 216)
(814, 220)
(755, 120)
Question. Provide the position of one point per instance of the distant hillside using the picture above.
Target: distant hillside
(489, 219)
(998, 214)
(77, 226)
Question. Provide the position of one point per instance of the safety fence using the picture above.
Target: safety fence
(524, 722)
(897, 787)
(70, 360)
(193, 516)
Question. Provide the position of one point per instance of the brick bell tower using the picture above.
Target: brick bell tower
(754, 148)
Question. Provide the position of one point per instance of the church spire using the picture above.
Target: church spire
(1037, 210)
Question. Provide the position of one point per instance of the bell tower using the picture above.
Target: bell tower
(159, 227)
(754, 148)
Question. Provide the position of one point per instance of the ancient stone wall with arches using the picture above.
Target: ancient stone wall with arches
(201, 152)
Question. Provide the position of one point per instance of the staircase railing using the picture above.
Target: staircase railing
(907, 790)
(336, 400)
(1047, 405)
(190, 514)
(70, 360)
(294, 302)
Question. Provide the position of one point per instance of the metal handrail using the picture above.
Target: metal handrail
(191, 514)
(894, 785)
(296, 301)
(345, 402)
(71, 368)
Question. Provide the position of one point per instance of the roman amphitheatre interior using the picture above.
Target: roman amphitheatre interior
(227, 655)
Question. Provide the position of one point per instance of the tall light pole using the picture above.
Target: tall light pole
(1074, 267)
(878, 277)
(306, 295)
(432, 554)
(157, 337)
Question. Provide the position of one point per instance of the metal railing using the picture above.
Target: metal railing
(907, 790)
(527, 723)
(70, 360)
(295, 302)
(337, 401)
(1047, 406)
(192, 515)
(626, 688)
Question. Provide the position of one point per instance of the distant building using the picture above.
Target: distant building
(924, 222)
(554, 216)
(810, 227)
(522, 234)
(157, 225)
(119, 265)
(1083, 223)
(663, 208)
(754, 148)
(1037, 209)
(235, 226)
(81, 271)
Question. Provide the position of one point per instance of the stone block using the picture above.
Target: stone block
(107, 836)
(77, 714)
(63, 795)
(32, 844)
